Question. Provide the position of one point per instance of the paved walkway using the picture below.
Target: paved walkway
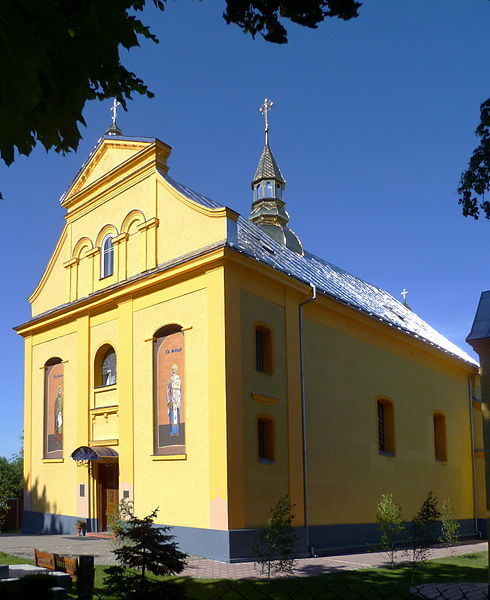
(101, 549)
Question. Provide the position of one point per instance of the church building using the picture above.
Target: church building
(185, 357)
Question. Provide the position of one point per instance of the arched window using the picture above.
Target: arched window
(259, 191)
(263, 349)
(386, 427)
(105, 368)
(265, 439)
(268, 189)
(278, 191)
(440, 444)
(53, 408)
(107, 258)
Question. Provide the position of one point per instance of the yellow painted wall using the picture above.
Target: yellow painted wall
(350, 362)
(175, 240)
(345, 377)
(271, 479)
(129, 326)
(144, 213)
(53, 287)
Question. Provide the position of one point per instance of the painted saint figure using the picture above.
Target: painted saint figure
(58, 416)
(174, 400)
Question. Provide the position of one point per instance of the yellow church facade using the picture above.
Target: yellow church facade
(184, 357)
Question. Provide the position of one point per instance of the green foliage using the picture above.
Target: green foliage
(390, 523)
(275, 550)
(11, 482)
(58, 55)
(262, 17)
(12, 476)
(118, 516)
(475, 181)
(55, 57)
(145, 548)
(424, 531)
(449, 526)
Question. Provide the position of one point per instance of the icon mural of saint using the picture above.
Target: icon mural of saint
(174, 400)
(58, 415)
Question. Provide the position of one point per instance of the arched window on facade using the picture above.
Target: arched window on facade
(263, 349)
(107, 258)
(259, 191)
(105, 368)
(268, 189)
(54, 392)
(440, 444)
(278, 192)
(386, 427)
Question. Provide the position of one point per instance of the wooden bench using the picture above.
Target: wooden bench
(56, 562)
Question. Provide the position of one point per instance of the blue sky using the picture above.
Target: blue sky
(372, 125)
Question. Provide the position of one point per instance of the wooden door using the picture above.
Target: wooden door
(108, 492)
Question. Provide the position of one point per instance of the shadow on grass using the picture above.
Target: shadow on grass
(363, 584)
(317, 583)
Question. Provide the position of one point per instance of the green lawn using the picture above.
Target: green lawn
(365, 584)
(9, 559)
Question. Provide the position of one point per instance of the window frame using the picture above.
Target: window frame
(98, 363)
(266, 447)
(107, 252)
(263, 354)
(440, 436)
(385, 421)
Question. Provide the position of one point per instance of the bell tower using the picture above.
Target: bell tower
(268, 207)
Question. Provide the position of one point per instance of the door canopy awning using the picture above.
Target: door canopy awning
(95, 453)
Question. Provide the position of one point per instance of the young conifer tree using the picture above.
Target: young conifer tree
(145, 549)
(275, 551)
(390, 523)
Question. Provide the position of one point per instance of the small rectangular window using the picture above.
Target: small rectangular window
(386, 429)
(82, 490)
(381, 427)
(263, 350)
(265, 439)
(259, 350)
(440, 444)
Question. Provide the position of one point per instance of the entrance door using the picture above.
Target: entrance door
(108, 492)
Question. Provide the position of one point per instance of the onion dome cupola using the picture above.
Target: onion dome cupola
(268, 207)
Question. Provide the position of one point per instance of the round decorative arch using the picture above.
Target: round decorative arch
(81, 246)
(105, 231)
(132, 219)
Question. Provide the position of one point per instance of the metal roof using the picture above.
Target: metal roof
(331, 281)
(328, 279)
(480, 329)
(267, 167)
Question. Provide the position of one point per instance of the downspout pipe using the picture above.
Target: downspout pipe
(473, 467)
(303, 417)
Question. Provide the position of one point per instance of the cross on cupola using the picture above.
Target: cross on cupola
(268, 184)
(264, 109)
(114, 129)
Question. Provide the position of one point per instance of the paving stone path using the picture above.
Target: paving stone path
(101, 549)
